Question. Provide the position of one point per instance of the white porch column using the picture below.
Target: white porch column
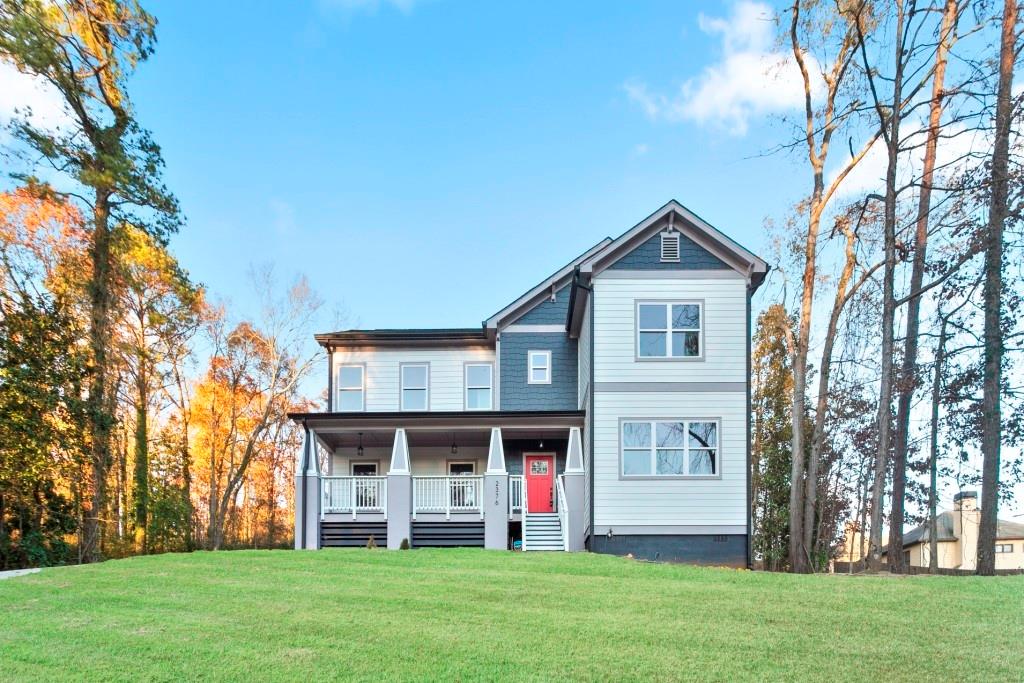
(495, 502)
(575, 483)
(307, 495)
(399, 492)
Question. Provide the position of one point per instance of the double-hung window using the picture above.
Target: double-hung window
(351, 388)
(672, 329)
(669, 448)
(538, 367)
(415, 383)
(479, 386)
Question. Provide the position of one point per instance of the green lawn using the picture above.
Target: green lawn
(476, 615)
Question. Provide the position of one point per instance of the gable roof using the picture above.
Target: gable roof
(728, 250)
(944, 524)
(609, 250)
(531, 298)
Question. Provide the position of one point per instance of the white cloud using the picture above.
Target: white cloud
(750, 79)
(31, 98)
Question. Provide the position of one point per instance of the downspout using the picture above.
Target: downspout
(590, 414)
(330, 379)
(750, 532)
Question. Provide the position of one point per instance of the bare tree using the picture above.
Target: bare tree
(991, 417)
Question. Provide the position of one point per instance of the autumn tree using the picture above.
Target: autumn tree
(102, 158)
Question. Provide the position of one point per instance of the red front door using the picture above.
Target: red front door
(540, 482)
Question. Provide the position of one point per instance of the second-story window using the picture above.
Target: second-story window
(479, 383)
(350, 388)
(538, 367)
(669, 330)
(415, 383)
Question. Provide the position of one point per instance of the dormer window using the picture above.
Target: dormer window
(670, 246)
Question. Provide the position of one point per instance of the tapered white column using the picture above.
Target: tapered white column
(399, 492)
(575, 484)
(495, 502)
(307, 495)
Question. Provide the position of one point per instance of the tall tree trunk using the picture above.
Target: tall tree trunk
(821, 408)
(908, 369)
(889, 121)
(991, 416)
(933, 461)
(100, 419)
(141, 479)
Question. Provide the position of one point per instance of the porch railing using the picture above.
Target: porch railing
(515, 494)
(355, 495)
(447, 494)
(563, 510)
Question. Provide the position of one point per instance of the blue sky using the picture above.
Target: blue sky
(463, 150)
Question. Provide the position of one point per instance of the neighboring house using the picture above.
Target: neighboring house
(958, 538)
(605, 409)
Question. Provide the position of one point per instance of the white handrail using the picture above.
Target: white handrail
(563, 510)
(463, 493)
(526, 511)
(354, 495)
(515, 494)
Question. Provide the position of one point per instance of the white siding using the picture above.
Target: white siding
(382, 374)
(424, 461)
(655, 502)
(725, 345)
(719, 501)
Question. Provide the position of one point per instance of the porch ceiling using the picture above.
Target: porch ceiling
(341, 430)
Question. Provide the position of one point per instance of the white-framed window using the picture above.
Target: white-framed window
(351, 388)
(479, 382)
(1004, 547)
(670, 448)
(415, 386)
(670, 247)
(669, 329)
(538, 367)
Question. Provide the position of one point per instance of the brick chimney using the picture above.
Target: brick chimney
(966, 521)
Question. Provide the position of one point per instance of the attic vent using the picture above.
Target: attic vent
(670, 246)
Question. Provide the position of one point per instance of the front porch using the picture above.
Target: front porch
(442, 479)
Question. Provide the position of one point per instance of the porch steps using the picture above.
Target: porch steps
(352, 534)
(543, 531)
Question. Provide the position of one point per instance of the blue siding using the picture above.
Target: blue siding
(514, 449)
(548, 312)
(516, 393)
(692, 256)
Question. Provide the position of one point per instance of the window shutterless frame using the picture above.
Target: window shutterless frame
(414, 386)
(657, 330)
(642, 447)
(538, 367)
(350, 385)
(475, 386)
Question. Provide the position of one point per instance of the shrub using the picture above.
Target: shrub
(371, 543)
(404, 545)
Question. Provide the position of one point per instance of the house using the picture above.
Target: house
(605, 409)
(958, 538)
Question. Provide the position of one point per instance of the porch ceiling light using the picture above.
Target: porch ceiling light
(359, 451)
(455, 449)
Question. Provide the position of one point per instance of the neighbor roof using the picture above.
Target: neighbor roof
(445, 335)
(945, 528)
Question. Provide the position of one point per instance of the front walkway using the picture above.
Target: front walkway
(17, 572)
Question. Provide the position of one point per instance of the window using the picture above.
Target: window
(462, 468)
(415, 380)
(670, 247)
(350, 388)
(1004, 547)
(479, 382)
(539, 367)
(364, 469)
(675, 448)
(669, 330)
